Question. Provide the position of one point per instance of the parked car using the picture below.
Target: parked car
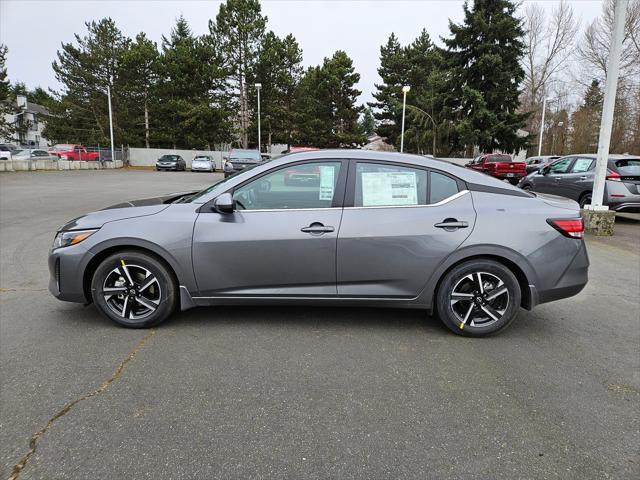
(238, 160)
(32, 153)
(203, 163)
(71, 151)
(573, 177)
(536, 163)
(171, 162)
(398, 231)
(6, 151)
(499, 165)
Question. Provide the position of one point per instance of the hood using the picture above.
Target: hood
(559, 202)
(121, 211)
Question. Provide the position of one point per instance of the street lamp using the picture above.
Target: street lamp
(113, 152)
(258, 87)
(405, 89)
(544, 108)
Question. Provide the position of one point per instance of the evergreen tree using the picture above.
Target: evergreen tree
(278, 70)
(393, 70)
(188, 116)
(6, 97)
(586, 120)
(236, 36)
(85, 69)
(368, 122)
(140, 71)
(313, 113)
(484, 73)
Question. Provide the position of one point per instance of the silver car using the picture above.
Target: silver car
(372, 229)
(203, 163)
(573, 177)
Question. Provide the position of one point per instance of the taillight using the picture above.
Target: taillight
(569, 227)
(614, 176)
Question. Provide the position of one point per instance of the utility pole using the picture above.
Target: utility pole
(113, 152)
(405, 89)
(258, 87)
(610, 87)
(544, 109)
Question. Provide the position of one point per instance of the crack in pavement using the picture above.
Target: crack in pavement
(33, 443)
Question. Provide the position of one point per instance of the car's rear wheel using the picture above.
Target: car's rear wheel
(134, 289)
(526, 187)
(478, 297)
(585, 199)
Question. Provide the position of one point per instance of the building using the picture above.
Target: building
(29, 120)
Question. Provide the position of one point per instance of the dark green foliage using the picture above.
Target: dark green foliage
(368, 122)
(484, 75)
(6, 96)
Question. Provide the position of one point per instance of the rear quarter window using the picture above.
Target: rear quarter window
(441, 187)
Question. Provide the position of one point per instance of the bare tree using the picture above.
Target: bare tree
(593, 50)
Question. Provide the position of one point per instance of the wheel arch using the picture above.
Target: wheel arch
(108, 250)
(515, 262)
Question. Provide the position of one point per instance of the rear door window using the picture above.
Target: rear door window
(388, 185)
(441, 187)
(582, 165)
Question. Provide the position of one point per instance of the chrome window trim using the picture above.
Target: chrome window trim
(437, 204)
(289, 209)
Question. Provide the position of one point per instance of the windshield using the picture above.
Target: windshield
(168, 158)
(628, 166)
(215, 185)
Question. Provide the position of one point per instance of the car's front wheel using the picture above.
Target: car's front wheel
(585, 199)
(134, 289)
(478, 297)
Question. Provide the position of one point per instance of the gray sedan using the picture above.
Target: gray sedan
(370, 229)
(573, 177)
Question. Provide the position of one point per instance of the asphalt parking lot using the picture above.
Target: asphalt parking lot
(308, 393)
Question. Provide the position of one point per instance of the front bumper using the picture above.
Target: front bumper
(166, 167)
(201, 168)
(66, 267)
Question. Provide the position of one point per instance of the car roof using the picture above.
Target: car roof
(612, 156)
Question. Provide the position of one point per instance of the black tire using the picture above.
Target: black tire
(527, 187)
(473, 313)
(585, 199)
(160, 297)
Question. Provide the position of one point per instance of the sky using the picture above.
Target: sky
(33, 30)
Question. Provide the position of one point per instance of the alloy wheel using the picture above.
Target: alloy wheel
(479, 299)
(131, 291)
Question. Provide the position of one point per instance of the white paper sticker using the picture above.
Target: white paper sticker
(327, 173)
(389, 188)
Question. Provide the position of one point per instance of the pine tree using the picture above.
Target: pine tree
(140, 69)
(6, 97)
(236, 35)
(484, 55)
(393, 70)
(368, 122)
(586, 120)
(85, 69)
(188, 115)
(278, 69)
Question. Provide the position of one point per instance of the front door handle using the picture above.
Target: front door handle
(317, 228)
(451, 224)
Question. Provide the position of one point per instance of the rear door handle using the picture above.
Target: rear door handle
(317, 228)
(451, 224)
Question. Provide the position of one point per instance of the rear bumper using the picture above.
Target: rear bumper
(570, 283)
(627, 207)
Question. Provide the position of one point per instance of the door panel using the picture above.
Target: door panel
(266, 253)
(392, 251)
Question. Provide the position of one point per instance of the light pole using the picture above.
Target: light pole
(606, 122)
(113, 152)
(544, 109)
(258, 87)
(405, 89)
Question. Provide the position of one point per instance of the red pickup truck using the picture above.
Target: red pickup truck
(71, 151)
(499, 165)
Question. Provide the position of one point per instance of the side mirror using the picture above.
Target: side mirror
(223, 203)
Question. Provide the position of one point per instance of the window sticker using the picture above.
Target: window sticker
(327, 177)
(389, 188)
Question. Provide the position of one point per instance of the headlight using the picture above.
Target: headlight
(73, 237)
